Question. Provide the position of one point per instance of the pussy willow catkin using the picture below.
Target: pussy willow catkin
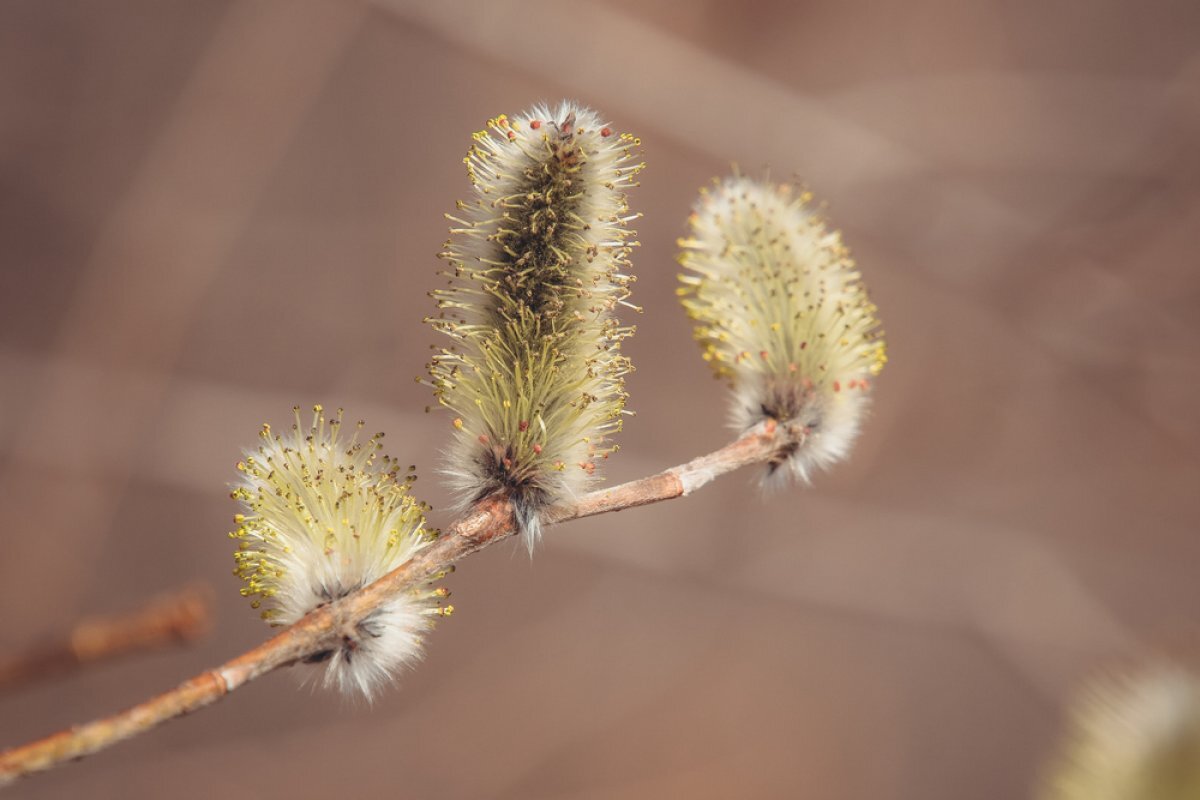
(781, 313)
(539, 265)
(325, 514)
(1133, 736)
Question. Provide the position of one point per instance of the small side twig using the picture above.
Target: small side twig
(174, 619)
(488, 522)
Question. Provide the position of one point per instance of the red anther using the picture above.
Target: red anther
(535, 124)
(483, 439)
(803, 345)
(523, 425)
(762, 354)
(837, 386)
(606, 131)
(511, 136)
(537, 448)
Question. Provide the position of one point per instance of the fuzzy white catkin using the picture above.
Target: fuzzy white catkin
(781, 313)
(326, 514)
(539, 265)
(1133, 737)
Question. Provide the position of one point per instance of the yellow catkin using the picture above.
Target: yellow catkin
(1134, 736)
(781, 313)
(538, 268)
(326, 514)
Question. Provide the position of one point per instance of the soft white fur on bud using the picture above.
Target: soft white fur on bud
(1133, 737)
(326, 515)
(781, 313)
(539, 265)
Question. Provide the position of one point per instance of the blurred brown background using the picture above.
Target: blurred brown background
(210, 211)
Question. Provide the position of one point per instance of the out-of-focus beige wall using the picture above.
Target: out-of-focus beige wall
(212, 211)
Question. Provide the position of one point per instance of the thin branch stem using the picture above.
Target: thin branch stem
(178, 618)
(487, 522)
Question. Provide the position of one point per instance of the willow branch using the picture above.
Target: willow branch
(175, 619)
(486, 523)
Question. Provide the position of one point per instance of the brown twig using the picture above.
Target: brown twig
(178, 618)
(488, 522)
